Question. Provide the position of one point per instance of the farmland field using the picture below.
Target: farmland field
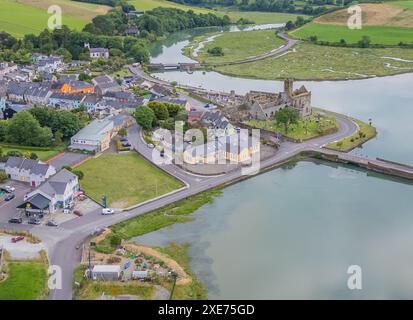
(20, 17)
(388, 24)
(334, 33)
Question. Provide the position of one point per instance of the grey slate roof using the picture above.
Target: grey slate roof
(57, 184)
(38, 201)
(33, 166)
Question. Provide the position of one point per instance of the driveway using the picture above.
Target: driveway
(69, 159)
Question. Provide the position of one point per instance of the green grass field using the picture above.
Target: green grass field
(404, 4)
(300, 131)
(334, 33)
(43, 154)
(326, 63)
(127, 179)
(26, 280)
(240, 45)
(20, 17)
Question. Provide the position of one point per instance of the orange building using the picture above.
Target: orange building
(77, 87)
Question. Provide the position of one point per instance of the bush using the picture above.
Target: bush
(3, 176)
(216, 51)
(115, 240)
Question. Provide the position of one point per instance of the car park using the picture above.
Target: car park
(107, 211)
(16, 220)
(17, 239)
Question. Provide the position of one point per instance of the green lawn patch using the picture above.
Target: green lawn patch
(44, 154)
(365, 133)
(26, 280)
(316, 125)
(240, 45)
(386, 35)
(127, 179)
(309, 61)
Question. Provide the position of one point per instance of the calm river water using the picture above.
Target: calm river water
(293, 232)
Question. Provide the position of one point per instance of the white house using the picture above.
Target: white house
(95, 137)
(96, 53)
(57, 192)
(27, 170)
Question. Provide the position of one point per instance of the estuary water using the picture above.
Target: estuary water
(293, 232)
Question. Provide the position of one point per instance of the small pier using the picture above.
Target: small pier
(377, 165)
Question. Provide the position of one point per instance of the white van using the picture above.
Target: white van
(107, 211)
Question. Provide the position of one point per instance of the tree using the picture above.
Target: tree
(364, 42)
(145, 117)
(84, 77)
(287, 116)
(58, 135)
(115, 240)
(24, 129)
(216, 51)
(160, 109)
(79, 173)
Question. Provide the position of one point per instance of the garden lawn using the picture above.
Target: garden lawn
(297, 131)
(43, 154)
(127, 179)
(309, 61)
(386, 35)
(26, 280)
(241, 45)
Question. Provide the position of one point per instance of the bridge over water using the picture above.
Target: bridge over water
(184, 66)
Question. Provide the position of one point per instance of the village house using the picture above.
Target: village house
(132, 30)
(195, 115)
(66, 101)
(95, 137)
(120, 96)
(161, 90)
(182, 102)
(58, 192)
(235, 149)
(3, 98)
(263, 105)
(104, 84)
(50, 64)
(14, 107)
(31, 171)
(38, 93)
(15, 91)
(74, 86)
(217, 124)
(7, 67)
(91, 102)
(96, 53)
(108, 272)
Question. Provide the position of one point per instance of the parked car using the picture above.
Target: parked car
(126, 144)
(34, 221)
(78, 213)
(151, 145)
(16, 220)
(17, 239)
(51, 223)
(107, 211)
(123, 138)
(10, 189)
(9, 197)
(67, 210)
